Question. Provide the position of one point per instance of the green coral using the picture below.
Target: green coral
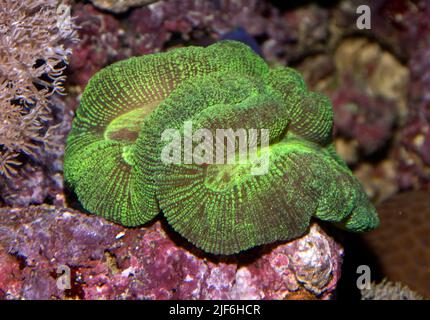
(113, 158)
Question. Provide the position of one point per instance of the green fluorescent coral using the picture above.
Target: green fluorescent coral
(113, 158)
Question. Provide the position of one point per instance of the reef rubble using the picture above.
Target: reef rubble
(107, 261)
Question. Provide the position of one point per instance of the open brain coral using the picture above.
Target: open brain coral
(113, 158)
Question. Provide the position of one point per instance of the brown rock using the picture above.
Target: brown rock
(402, 241)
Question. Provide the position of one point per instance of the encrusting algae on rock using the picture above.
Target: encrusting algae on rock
(114, 162)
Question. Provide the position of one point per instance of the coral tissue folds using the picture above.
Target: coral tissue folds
(113, 155)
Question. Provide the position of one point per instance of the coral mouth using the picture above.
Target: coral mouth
(126, 127)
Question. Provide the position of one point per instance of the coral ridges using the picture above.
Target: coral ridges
(114, 156)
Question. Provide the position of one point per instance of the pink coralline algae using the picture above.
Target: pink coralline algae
(415, 160)
(107, 261)
(403, 26)
(382, 125)
(165, 24)
(370, 120)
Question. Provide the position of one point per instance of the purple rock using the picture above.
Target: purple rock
(108, 261)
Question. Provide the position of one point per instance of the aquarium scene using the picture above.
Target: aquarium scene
(232, 151)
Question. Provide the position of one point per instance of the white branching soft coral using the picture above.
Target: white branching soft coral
(387, 290)
(33, 36)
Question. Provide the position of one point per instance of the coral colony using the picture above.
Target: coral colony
(115, 157)
(201, 147)
(33, 58)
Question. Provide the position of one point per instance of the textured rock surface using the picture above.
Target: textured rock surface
(402, 242)
(106, 38)
(110, 262)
